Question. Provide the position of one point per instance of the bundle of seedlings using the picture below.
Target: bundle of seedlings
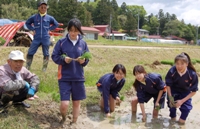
(172, 103)
(86, 55)
(121, 99)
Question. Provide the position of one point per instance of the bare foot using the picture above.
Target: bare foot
(63, 120)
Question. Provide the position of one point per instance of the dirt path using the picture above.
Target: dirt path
(130, 47)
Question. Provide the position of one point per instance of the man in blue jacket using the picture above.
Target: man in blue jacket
(40, 23)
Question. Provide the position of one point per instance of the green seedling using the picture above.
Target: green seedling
(122, 98)
(64, 55)
(86, 55)
(172, 103)
(158, 107)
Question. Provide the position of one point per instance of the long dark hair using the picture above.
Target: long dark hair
(138, 69)
(185, 58)
(76, 23)
(118, 67)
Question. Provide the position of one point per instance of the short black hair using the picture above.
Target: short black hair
(76, 23)
(118, 67)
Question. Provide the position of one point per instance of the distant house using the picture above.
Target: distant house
(121, 36)
(169, 39)
(89, 33)
(154, 37)
(173, 37)
(142, 32)
(104, 29)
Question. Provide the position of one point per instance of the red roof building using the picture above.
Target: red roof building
(104, 29)
(90, 33)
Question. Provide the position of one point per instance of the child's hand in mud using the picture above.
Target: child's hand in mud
(118, 101)
(144, 118)
(68, 59)
(171, 102)
(178, 103)
(157, 106)
(108, 115)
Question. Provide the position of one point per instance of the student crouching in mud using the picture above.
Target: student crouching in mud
(109, 86)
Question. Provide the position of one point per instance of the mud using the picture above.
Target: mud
(46, 114)
(93, 118)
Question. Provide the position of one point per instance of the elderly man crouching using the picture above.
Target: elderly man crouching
(16, 82)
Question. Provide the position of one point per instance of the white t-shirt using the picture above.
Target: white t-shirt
(74, 41)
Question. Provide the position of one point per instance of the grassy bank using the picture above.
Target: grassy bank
(102, 62)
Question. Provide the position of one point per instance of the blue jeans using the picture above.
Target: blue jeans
(36, 44)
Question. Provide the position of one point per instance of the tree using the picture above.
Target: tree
(123, 9)
(114, 5)
(188, 35)
(146, 27)
(179, 29)
(173, 17)
(13, 11)
(84, 16)
(173, 28)
(167, 17)
(122, 20)
(63, 10)
(154, 24)
(1, 15)
(135, 10)
(130, 25)
(162, 20)
(102, 13)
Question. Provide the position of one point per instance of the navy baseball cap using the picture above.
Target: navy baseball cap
(40, 3)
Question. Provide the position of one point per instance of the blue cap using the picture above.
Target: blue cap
(40, 3)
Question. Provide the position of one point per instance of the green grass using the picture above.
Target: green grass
(103, 41)
(103, 61)
(169, 62)
(2, 41)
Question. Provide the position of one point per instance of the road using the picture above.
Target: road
(130, 47)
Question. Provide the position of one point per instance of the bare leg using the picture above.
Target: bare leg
(112, 103)
(173, 119)
(76, 110)
(155, 113)
(101, 103)
(181, 121)
(63, 110)
(134, 103)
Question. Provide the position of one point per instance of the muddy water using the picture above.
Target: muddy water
(123, 119)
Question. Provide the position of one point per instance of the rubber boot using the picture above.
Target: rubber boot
(29, 59)
(45, 63)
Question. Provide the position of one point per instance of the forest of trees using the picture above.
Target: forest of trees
(103, 12)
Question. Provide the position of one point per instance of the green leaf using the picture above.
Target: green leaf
(169, 62)
(157, 107)
(86, 55)
(122, 98)
(64, 55)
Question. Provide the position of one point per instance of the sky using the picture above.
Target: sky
(188, 10)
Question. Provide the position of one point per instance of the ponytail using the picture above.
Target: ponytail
(190, 66)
